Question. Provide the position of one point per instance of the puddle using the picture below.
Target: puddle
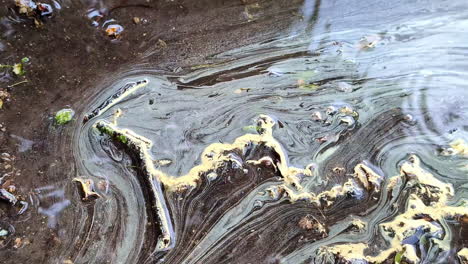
(341, 140)
(313, 130)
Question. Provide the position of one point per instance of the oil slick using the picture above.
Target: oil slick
(155, 177)
(120, 95)
(215, 157)
(236, 162)
(424, 219)
(427, 206)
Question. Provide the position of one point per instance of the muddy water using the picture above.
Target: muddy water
(343, 140)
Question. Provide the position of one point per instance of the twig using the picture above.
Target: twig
(18, 83)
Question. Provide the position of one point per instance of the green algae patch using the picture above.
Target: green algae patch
(106, 130)
(122, 139)
(305, 80)
(251, 129)
(204, 66)
(64, 116)
(399, 257)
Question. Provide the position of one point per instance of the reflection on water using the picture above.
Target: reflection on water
(52, 202)
(344, 140)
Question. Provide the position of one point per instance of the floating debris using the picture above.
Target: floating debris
(458, 147)
(163, 162)
(7, 196)
(212, 176)
(317, 116)
(348, 111)
(348, 120)
(6, 233)
(17, 68)
(26, 7)
(367, 177)
(20, 242)
(264, 161)
(118, 113)
(310, 223)
(44, 9)
(34, 10)
(114, 31)
(369, 42)
(242, 90)
(24, 207)
(7, 188)
(358, 224)
(4, 96)
(87, 188)
(103, 186)
(95, 16)
(64, 116)
(345, 87)
(304, 85)
(331, 110)
(305, 80)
